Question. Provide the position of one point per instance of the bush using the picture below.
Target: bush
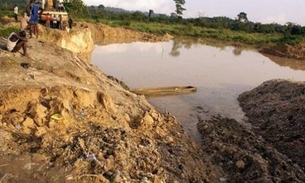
(5, 32)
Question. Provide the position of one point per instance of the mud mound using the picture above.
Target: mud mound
(287, 51)
(245, 156)
(276, 110)
(80, 135)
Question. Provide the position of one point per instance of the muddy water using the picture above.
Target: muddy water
(219, 73)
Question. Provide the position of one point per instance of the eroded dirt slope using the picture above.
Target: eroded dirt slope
(286, 51)
(62, 120)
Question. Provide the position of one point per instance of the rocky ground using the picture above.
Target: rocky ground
(64, 120)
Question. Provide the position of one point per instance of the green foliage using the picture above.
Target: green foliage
(6, 13)
(179, 8)
(242, 17)
(189, 29)
(195, 26)
(76, 8)
(138, 16)
(5, 32)
(124, 23)
(9, 4)
(291, 40)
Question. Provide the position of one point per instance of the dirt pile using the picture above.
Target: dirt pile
(276, 109)
(273, 149)
(244, 155)
(287, 51)
(63, 120)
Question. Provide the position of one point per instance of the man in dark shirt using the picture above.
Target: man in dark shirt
(70, 22)
(35, 11)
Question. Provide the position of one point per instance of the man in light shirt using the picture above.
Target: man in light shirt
(16, 41)
(16, 12)
(24, 22)
(43, 2)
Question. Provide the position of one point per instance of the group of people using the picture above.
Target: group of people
(56, 22)
(18, 40)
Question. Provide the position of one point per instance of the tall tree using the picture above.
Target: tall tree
(242, 17)
(76, 8)
(151, 12)
(101, 7)
(179, 8)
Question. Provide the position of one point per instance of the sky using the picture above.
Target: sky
(264, 11)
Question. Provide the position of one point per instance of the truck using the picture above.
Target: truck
(49, 8)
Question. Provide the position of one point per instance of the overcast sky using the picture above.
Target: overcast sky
(265, 11)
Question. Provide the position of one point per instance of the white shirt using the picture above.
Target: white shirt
(10, 45)
(16, 10)
(43, 2)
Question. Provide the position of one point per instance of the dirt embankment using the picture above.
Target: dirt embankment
(103, 34)
(287, 51)
(63, 120)
(82, 38)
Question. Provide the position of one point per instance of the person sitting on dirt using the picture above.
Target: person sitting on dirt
(24, 22)
(17, 40)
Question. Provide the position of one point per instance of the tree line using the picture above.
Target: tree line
(241, 23)
(77, 9)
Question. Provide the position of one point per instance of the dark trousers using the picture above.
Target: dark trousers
(16, 17)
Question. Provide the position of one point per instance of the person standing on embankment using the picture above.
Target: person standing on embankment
(16, 12)
(35, 10)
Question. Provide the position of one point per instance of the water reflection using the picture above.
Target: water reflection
(291, 63)
(188, 43)
(181, 42)
(175, 49)
(219, 73)
(237, 51)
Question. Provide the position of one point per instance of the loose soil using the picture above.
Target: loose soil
(64, 120)
(287, 51)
